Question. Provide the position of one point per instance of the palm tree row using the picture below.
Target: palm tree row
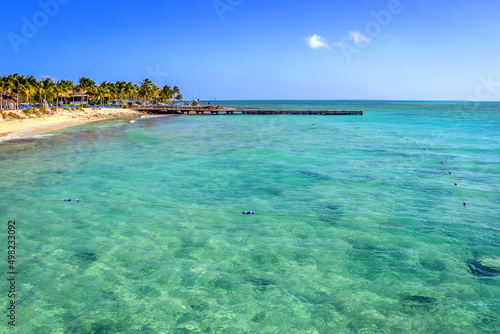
(24, 89)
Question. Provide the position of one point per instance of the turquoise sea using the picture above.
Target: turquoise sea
(358, 228)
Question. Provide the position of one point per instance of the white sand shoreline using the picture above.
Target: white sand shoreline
(18, 128)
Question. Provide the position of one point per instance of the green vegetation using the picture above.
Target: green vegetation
(31, 112)
(14, 115)
(26, 89)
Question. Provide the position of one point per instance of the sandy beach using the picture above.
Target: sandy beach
(59, 120)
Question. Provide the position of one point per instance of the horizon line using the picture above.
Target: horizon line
(353, 100)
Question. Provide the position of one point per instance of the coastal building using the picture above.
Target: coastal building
(75, 98)
(8, 102)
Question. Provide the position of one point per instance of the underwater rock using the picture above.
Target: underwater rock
(183, 254)
(368, 247)
(491, 262)
(260, 283)
(482, 268)
(417, 304)
(259, 317)
(434, 265)
(85, 257)
(148, 292)
(420, 299)
(313, 175)
(104, 327)
(331, 210)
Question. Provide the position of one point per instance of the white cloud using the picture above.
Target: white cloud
(317, 42)
(357, 37)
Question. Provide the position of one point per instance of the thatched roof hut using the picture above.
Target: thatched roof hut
(7, 102)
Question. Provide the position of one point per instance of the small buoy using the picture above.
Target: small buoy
(78, 200)
(465, 204)
(456, 184)
(424, 148)
(449, 173)
(248, 212)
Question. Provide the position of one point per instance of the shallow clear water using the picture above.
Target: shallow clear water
(392, 257)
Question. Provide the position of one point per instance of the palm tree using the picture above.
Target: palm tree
(22, 86)
(43, 86)
(85, 84)
(132, 91)
(29, 86)
(121, 89)
(177, 92)
(114, 91)
(147, 90)
(103, 91)
(16, 86)
(4, 89)
(167, 93)
(62, 88)
(179, 97)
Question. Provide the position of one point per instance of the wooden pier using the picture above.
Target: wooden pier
(212, 110)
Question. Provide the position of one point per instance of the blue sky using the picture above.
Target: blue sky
(256, 49)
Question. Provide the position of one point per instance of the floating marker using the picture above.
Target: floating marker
(78, 200)
(449, 173)
(465, 204)
(248, 212)
(456, 184)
